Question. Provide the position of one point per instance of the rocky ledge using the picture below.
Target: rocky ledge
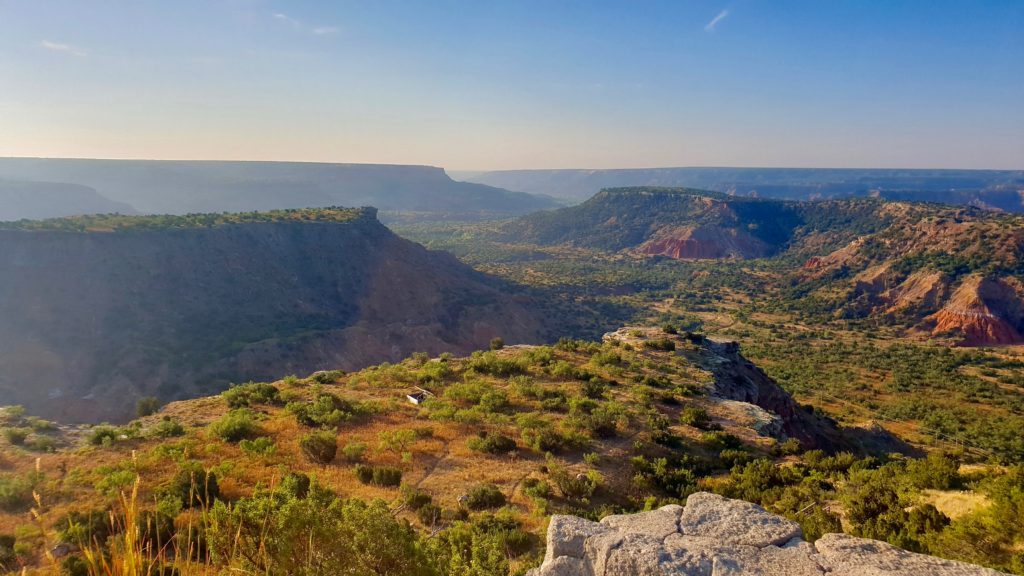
(715, 536)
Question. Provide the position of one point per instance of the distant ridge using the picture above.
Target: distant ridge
(994, 189)
(181, 187)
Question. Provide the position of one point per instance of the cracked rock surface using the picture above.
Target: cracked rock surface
(715, 536)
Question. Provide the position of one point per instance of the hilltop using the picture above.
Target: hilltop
(464, 479)
(182, 187)
(98, 312)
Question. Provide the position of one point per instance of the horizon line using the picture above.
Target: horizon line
(482, 171)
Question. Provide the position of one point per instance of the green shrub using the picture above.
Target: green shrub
(492, 443)
(85, 528)
(607, 358)
(490, 363)
(494, 401)
(378, 475)
(789, 447)
(594, 388)
(325, 410)
(497, 343)
(429, 514)
(40, 425)
(575, 486)
(251, 393)
(353, 451)
(721, 440)
(327, 376)
(147, 406)
(167, 428)
(483, 496)
(317, 533)
(387, 476)
(15, 493)
(695, 416)
(364, 473)
(194, 486)
(38, 443)
(114, 479)
(7, 555)
(938, 472)
(104, 435)
(235, 426)
(262, 446)
(413, 498)
(536, 488)
(662, 344)
(320, 447)
(74, 565)
(731, 457)
(397, 441)
(16, 436)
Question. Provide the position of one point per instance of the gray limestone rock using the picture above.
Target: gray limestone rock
(566, 535)
(844, 554)
(715, 536)
(735, 522)
(660, 522)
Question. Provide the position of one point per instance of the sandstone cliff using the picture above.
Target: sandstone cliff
(714, 536)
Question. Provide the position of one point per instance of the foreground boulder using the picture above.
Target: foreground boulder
(715, 536)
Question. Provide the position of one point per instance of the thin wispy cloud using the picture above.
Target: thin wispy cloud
(62, 48)
(710, 27)
(297, 24)
(287, 19)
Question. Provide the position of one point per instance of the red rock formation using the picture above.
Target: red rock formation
(984, 311)
(704, 243)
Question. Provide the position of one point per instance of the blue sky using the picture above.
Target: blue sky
(483, 84)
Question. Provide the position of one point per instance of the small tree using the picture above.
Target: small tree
(147, 406)
(320, 447)
(497, 343)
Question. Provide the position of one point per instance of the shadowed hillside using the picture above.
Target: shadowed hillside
(97, 312)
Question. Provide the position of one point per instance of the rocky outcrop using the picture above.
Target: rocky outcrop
(982, 312)
(715, 536)
(743, 390)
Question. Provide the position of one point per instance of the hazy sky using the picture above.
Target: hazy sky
(488, 84)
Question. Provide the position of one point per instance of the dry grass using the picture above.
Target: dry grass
(956, 503)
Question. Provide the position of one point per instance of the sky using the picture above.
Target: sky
(516, 84)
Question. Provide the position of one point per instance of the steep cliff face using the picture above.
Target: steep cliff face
(714, 536)
(91, 321)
